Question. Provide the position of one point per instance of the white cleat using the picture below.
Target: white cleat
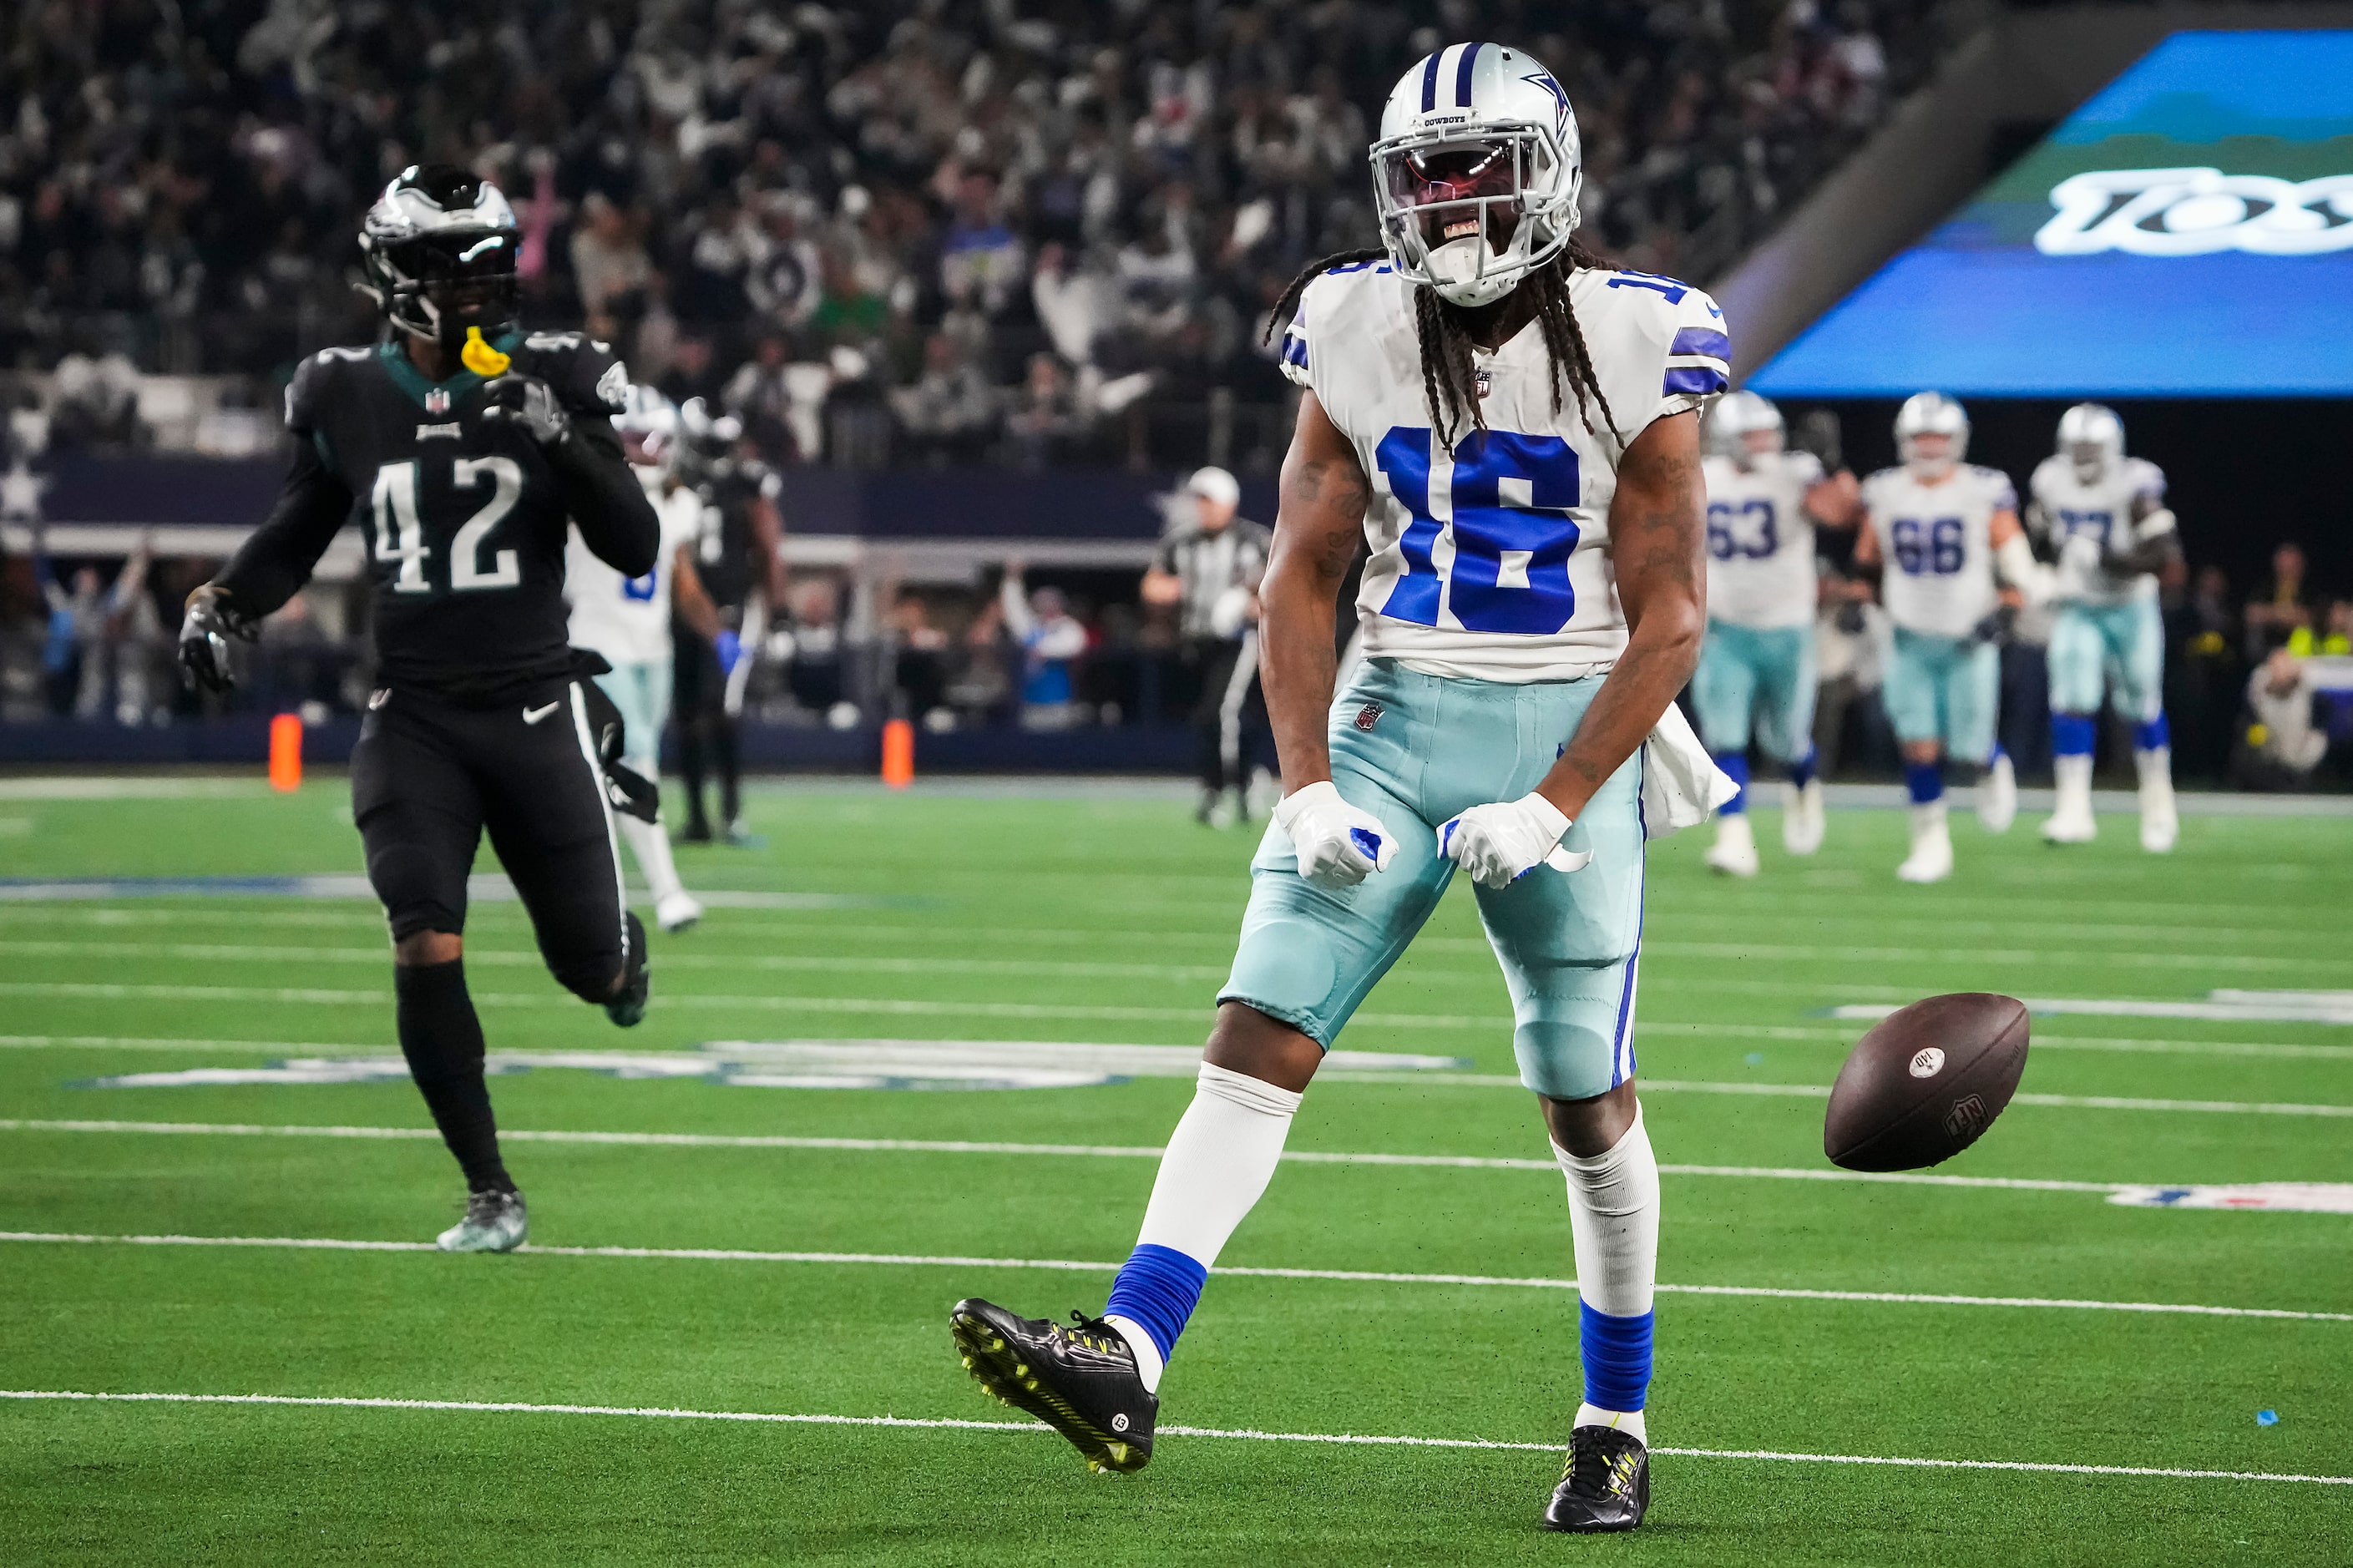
(494, 1222)
(1931, 860)
(1734, 853)
(675, 912)
(2159, 827)
(1998, 795)
(1803, 819)
(2159, 823)
(2070, 824)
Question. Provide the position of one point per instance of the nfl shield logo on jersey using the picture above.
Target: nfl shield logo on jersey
(437, 402)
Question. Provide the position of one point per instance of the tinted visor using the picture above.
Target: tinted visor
(1461, 173)
(469, 274)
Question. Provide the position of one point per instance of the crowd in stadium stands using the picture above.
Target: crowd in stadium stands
(945, 229)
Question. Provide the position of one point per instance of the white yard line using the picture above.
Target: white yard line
(1075, 1265)
(490, 1407)
(1120, 1152)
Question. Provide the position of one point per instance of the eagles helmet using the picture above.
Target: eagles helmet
(1931, 414)
(438, 253)
(2091, 438)
(706, 441)
(1739, 418)
(648, 425)
(1476, 173)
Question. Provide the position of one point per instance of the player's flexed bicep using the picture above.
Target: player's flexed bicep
(1319, 520)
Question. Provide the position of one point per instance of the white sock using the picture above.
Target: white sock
(650, 845)
(1613, 1217)
(1217, 1163)
(2155, 767)
(1927, 821)
(2073, 778)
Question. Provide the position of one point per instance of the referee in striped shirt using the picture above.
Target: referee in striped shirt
(1208, 570)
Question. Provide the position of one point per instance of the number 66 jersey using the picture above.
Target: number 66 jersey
(1935, 545)
(1491, 555)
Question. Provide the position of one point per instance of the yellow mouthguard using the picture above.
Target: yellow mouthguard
(479, 356)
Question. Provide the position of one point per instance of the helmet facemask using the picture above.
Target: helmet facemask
(1470, 211)
(435, 286)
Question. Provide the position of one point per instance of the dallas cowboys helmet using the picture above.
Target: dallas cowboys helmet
(2091, 438)
(1740, 415)
(648, 425)
(1931, 414)
(1476, 173)
(437, 250)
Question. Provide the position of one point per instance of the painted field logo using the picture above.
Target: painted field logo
(1966, 1120)
(2194, 212)
(1927, 1062)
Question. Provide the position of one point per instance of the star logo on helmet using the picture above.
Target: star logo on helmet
(1560, 114)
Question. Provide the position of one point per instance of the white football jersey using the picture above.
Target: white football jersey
(1760, 539)
(1491, 561)
(1936, 547)
(627, 620)
(2102, 510)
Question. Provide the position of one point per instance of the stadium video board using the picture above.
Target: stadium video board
(2187, 233)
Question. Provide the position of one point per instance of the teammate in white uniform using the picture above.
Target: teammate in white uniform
(2104, 515)
(1513, 430)
(1756, 673)
(1940, 533)
(627, 620)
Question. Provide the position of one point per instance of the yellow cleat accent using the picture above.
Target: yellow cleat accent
(479, 357)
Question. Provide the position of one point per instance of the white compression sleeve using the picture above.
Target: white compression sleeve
(1613, 1214)
(1219, 1162)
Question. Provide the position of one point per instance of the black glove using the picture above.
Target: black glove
(1995, 628)
(529, 403)
(204, 639)
(1850, 619)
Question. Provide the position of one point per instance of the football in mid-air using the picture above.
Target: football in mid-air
(1926, 1082)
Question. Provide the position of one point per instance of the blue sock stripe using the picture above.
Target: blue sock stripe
(1926, 780)
(1736, 768)
(1157, 1287)
(2155, 734)
(1801, 771)
(1617, 1355)
(2072, 734)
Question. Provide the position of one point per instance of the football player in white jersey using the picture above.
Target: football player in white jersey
(2104, 515)
(1756, 671)
(1941, 531)
(627, 620)
(1513, 427)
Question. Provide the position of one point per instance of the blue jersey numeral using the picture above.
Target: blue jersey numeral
(1935, 549)
(640, 589)
(2095, 524)
(1510, 571)
(1724, 540)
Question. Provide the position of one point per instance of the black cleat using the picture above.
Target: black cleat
(1083, 1382)
(1606, 1486)
(627, 1007)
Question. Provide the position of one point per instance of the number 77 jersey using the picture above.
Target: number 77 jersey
(464, 522)
(1935, 545)
(1491, 548)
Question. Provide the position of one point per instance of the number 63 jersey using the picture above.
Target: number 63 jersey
(464, 520)
(1935, 545)
(1491, 553)
(1760, 541)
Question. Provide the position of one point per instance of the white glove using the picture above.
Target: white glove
(1337, 844)
(1500, 844)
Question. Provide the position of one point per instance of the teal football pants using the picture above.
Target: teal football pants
(1945, 689)
(2093, 643)
(1756, 683)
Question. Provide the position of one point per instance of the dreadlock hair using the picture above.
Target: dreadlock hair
(1450, 378)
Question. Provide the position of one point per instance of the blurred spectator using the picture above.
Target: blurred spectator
(920, 669)
(2283, 745)
(2206, 677)
(981, 262)
(761, 395)
(2336, 638)
(97, 404)
(1044, 425)
(950, 412)
(2282, 607)
(1074, 304)
(609, 265)
(94, 630)
(1051, 641)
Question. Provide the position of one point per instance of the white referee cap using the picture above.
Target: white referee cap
(1214, 484)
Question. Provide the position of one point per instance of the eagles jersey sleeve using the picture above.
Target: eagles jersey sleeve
(583, 371)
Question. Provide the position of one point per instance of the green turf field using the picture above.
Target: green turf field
(1107, 917)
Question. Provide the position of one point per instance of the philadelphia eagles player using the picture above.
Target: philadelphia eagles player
(461, 445)
(1756, 673)
(2104, 514)
(1513, 427)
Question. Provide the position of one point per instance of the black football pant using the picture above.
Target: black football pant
(428, 776)
(705, 732)
(1230, 722)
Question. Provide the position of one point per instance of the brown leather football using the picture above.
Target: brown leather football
(1926, 1082)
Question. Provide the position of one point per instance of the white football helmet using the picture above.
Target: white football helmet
(2091, 438)
(1476, 173)
(1931, 414)
(648, 425)
(1738, 417)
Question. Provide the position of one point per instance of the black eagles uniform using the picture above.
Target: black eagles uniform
(478, 719)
